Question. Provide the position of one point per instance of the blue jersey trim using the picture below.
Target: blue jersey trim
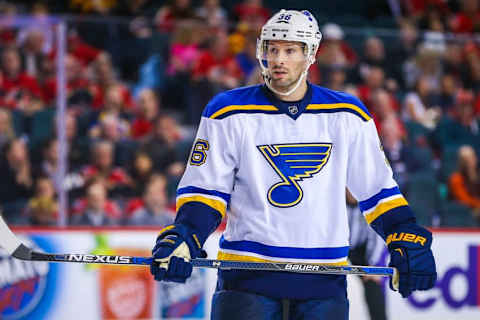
(258, 99)
(285, 252)
(191, 189)
(372, 201)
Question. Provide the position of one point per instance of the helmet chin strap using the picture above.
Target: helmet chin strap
(268, 81)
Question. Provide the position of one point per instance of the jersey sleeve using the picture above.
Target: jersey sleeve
(204, 191)
(370, 180)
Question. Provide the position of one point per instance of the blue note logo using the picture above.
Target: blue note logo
(23, 285)
(293, 163)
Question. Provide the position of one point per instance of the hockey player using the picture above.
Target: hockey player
(279, 156)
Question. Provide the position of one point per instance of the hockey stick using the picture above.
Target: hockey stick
(20, 251)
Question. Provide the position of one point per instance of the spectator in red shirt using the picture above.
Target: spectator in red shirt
(147, 110)
(95, 209)
(468, 19)
(382, 106)
(334, 51)
(170, 14)
(85, 53)
(252, 11)
(153, 208)
(18, 89)
(77, 83)
(104, 78)
(117, 181)
(217, 65)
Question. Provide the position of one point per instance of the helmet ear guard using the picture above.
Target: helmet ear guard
(289, 25)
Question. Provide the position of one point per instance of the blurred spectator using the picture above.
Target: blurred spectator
(247, 58)
(117, 131)
(18, 89)
(17, 181)
(383, 106)
(116, 180)
(106, 80)
(464, 184)
(184, 50)
(213, 13)
(162, 146)
(216, 70)
(48, 167)
(336, 79)
(173, 12)
(462, 127)
(77, 144)
(395, 150)
(374, 55)
(468, 19)
(84, 52)
(152, 210)
(77, 85)
(252, 12)
(7, 131)
(426, 63)
(418, 108)
(404, 49)
(36, 40)
(472, 59)
(334, 51)
(42, 208)
(111, 128)
(434, 18)
(117, 102)
(217, 64)
(141, 172)
(374, 80)
(7, 34)
(454, 63)
(33, 54)
(417, 9)
(446, 98)
(96, 209)
(148, 107)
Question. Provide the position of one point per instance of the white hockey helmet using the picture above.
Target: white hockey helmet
(289, 25)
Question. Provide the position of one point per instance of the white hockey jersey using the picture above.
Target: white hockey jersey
(281, 169)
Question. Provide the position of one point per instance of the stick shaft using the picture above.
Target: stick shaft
(25, 253)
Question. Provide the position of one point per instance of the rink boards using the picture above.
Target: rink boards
(76, 291)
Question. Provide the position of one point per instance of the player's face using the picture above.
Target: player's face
(286, 62)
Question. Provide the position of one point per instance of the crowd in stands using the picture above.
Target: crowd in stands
(139, 73)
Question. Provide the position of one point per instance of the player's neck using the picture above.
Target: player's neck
(296, 95)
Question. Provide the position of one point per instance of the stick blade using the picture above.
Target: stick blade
(8, 240)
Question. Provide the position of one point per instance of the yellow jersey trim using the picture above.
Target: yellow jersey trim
(247, 107)
(327, 106)
(215, 204)
(384, 207)
(237, 257)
